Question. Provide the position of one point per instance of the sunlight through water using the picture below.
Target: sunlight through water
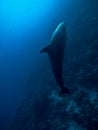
(17, 14)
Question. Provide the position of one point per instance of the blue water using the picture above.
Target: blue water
(25, 27)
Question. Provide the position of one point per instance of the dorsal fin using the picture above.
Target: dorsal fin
(46, 49)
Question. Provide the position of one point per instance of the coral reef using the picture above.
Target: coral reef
(78, 111)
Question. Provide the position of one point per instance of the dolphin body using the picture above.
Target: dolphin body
(56, 55)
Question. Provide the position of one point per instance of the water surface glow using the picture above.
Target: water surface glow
(18, 14)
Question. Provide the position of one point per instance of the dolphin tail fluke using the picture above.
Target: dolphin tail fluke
(64, 91)
(46, 49)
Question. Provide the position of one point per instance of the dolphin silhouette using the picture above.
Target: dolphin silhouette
(56, 55)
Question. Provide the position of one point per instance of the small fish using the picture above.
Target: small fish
(56, 55)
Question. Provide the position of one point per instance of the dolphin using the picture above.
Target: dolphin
(55, 51)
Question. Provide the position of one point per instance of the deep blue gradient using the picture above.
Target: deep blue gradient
(22, 23)
(25, 27)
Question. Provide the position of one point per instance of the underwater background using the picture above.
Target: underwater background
(28, 91)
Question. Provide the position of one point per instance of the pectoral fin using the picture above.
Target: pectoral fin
(46, 49)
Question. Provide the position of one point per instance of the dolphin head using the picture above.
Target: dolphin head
(60, 33)
(60, 28)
